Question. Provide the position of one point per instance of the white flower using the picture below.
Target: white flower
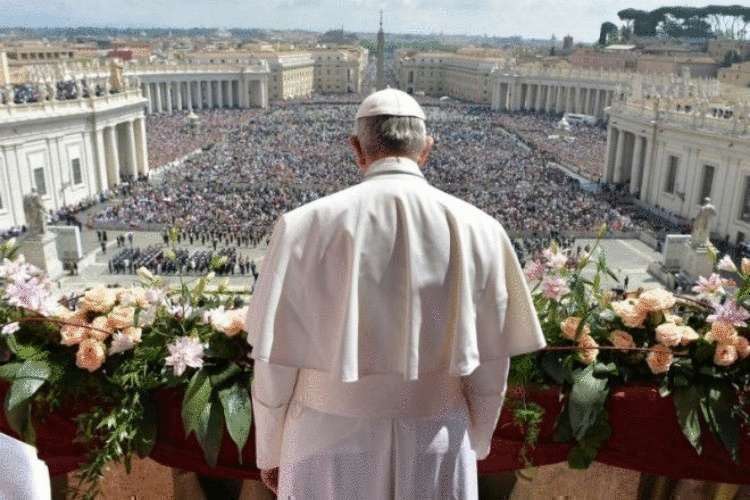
(726, 264)
(555, 259)
(154, 295)
(209, 314)
(184, 352)
(146, 317)
(120, 343)
(11, 328)
(180, 311)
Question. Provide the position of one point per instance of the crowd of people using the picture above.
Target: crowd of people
(173, 136)
(581, 147)
(165, 260)
(274, 161)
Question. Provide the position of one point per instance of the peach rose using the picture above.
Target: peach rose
(134, 333)
(668, 334)
(722, 333)
(621, 339)
(229, 322)
(101, 329)
(99, 300)
(688, 335)
(725, 355)
(630, 315)
(659, 359)
(745, 265)
(63, 313)
(72, 335)
(655, 300)
(673, 318)
(135, 296)
(570, 326)
(121, 317)
(743, 346)
(91, 355)
(590, 352)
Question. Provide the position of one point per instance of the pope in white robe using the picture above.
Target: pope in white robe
(382, 328)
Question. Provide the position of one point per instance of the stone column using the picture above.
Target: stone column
(209, 94)
(189, 95)
(141, 145)
(199, 90)
(159, 107)
(132, 156)
(597, 97)
(618, 156)
(147, 94)
(636, 168)
(101, 159)
(230, 92)
(647, 167)
(220, 93)
(179, 95)
(169, 97)
(113, 157)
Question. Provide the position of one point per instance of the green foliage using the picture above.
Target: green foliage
(236, 403)
(529, 417)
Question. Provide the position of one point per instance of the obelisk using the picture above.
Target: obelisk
(380, 73)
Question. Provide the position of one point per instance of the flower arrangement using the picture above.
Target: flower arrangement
(114, 347)
(695, 348)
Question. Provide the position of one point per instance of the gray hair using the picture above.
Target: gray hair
(399, 135)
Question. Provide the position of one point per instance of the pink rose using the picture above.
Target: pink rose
(688, 335)
(91, 355)
(659, 359)
(630, 315)
(655, 300)
(121, 317)
(100, 329)
(725, 355)
(621, 339)
(99, 299)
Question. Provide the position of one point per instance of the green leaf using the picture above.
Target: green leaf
(146, 437)
(718, 410)
(554, 366)
(210, 431)
(196, 399)
(236, 403)
(224, 375)
(584, 453)
(29, 378)
(586, 401)
(8, 371)
(687, 405)
(19, 419)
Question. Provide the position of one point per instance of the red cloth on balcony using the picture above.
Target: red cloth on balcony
(645, 437)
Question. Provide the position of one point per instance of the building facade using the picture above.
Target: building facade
(339, 70)
(673, 153)
(738, 74)
(69, 150)
(466, 77)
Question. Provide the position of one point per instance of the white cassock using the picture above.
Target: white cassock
(22, 475)
(382, 326)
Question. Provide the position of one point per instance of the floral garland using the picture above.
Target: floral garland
(114, 347)
(695, 349)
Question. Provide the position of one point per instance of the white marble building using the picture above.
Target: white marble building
(69, 150)
(673, 153)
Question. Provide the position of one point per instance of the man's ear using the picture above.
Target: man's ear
(425, 153)
(358, 152)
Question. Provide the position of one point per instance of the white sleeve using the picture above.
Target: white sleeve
(484, 390)
(272, 388)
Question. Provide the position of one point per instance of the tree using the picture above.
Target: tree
(607, 32)
(731, 57)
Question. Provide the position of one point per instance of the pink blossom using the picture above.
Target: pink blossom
(729, 312)
(17, 270)
(555, 259)
(726, 264)
(555, 288)
(534, 270)
(33, 294)
(710, 287)
(184, 352)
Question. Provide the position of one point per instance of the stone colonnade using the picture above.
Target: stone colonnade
(518, 94)
(629, 159)
(167, 93)
(121, 152)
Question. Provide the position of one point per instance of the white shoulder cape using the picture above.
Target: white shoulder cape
(390, 276)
